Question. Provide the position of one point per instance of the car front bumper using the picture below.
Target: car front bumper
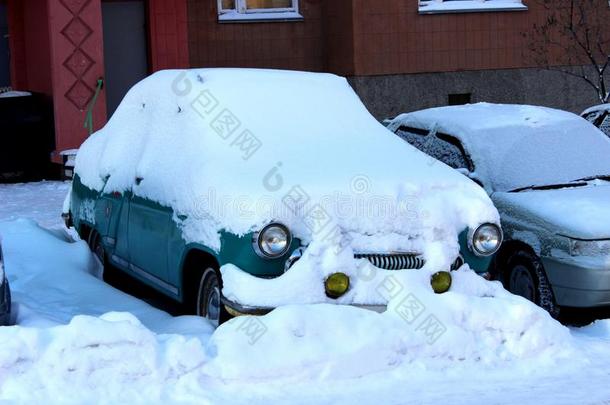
(235, 309)
(580, 284)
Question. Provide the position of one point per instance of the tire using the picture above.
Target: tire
(208, 302)
(109, 273)
(95, 244)
(525, 276)
(5, 319)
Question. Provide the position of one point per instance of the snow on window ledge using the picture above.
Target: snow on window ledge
(234, 16)
(469, 6)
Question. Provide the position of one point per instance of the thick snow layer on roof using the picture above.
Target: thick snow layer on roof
(596, 108)
(516, 146)
(235, 148)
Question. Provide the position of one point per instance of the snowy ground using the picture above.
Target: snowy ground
(79, 340)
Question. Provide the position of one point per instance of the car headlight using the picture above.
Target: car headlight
(272, 241)
(485, 240)
(591, 248)
(336, 285)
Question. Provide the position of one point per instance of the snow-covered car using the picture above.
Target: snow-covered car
(547, 171)
(599, 116)
(237, 191)
(5, 294)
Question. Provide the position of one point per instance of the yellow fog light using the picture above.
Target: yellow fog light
(441, 282)
(336, 285)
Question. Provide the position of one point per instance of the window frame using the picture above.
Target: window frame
(241, 13)
(441, 136)
(469, 6)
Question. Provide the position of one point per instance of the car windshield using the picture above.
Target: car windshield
(546, 156)
(515, 146)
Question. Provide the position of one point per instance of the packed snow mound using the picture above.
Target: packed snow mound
(72, 347)
(114, 356)
(233, 149)
(477, 322)
(41, 260)
(515, 146)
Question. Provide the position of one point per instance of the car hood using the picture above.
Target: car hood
(581, 212)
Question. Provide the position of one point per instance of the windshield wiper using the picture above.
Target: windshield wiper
(578, 183)
(605, 177)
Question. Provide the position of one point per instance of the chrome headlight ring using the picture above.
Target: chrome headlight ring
(485, 240)
(273, 241)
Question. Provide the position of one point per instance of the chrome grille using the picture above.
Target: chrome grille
(401, 261)
(393, 261)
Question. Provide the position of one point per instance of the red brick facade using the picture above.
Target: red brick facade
(391, 37)
(168, 34)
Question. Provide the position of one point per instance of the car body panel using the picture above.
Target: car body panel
(151, 248)
(579, 283)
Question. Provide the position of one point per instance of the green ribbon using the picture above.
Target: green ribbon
(89, 116)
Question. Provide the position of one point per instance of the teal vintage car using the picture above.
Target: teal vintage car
(170, 192)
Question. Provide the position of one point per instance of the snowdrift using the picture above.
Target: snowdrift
(71, 336)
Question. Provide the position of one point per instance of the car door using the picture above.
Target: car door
(148, 229)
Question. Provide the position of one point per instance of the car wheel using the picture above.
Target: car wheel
(209, 298)
(109, 274)
(95, 244)
(525, 276)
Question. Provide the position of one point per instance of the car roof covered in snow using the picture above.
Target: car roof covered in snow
(596, 108)
(515, 146)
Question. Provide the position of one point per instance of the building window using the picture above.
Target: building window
(459, 99)
(469, 6)
(258, 10)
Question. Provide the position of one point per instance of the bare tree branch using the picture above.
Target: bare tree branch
(574, 34)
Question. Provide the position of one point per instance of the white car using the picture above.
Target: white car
(548, 172)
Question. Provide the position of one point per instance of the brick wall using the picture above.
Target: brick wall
(391, 37)
(282, 45)
(168, 34)
(365, 37)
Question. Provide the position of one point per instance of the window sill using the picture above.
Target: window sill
(259, 17)
(473, 6)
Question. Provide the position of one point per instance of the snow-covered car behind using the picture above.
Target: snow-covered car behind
(274, 188)
(599, 116)
(5, 293)
(548, 172)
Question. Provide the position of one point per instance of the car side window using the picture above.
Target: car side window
(605, 125)
(440, 146)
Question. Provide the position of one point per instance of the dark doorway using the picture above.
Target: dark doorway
(125, 48)
(5, 73)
